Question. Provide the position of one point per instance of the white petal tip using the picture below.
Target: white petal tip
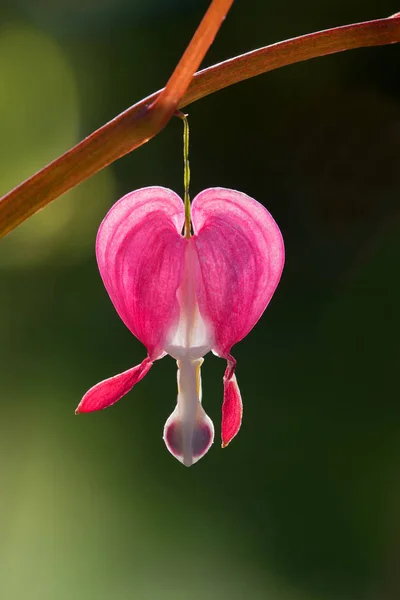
(188, 442)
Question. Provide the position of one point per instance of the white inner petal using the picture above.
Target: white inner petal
(189, 432)
(191, 338)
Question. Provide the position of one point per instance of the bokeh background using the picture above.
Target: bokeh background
(305, 503)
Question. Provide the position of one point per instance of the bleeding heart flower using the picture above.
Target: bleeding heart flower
(185, 296)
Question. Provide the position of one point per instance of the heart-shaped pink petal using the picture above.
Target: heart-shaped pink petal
(240, 256)
(140, 253)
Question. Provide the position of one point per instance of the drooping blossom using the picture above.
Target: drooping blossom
(186, 296)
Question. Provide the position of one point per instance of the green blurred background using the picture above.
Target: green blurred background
(305, 503)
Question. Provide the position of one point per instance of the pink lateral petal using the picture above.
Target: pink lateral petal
(232, 410)
(140, 253)
(109, 391)
(241, 256)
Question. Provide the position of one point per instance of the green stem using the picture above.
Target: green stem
(186, 172)
(144, 120)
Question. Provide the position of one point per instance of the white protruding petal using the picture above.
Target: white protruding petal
(189, 432)
(190, 338)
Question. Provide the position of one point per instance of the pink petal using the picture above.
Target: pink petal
(107, 392)
(232, 410)
(140, 253)
(241, 256)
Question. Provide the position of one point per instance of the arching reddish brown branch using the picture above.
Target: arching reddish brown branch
(115, 139)
(145, 119)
